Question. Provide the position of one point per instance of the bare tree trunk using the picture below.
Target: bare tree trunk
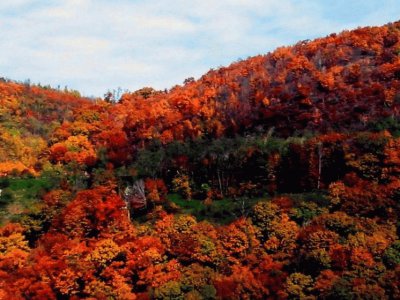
(220, 183)
(320, 155)
(138, 190)
(126, 199)
(269, 135)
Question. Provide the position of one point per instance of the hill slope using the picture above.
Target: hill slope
(277, 177)
(343, 81)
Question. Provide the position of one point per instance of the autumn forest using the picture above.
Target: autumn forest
(277, 177)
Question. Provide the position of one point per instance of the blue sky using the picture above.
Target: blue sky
(99, 45)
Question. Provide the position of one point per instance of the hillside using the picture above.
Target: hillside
(277, 177)
(341, 82)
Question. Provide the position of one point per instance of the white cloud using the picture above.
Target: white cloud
(93, 46)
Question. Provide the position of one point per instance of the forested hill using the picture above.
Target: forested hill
(29, 115)
(345, 81)
(277, 177)
(342, 82)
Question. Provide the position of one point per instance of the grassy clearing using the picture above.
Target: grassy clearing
(221, 211)
(21, 195)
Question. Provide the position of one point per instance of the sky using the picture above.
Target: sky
(98, 45)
